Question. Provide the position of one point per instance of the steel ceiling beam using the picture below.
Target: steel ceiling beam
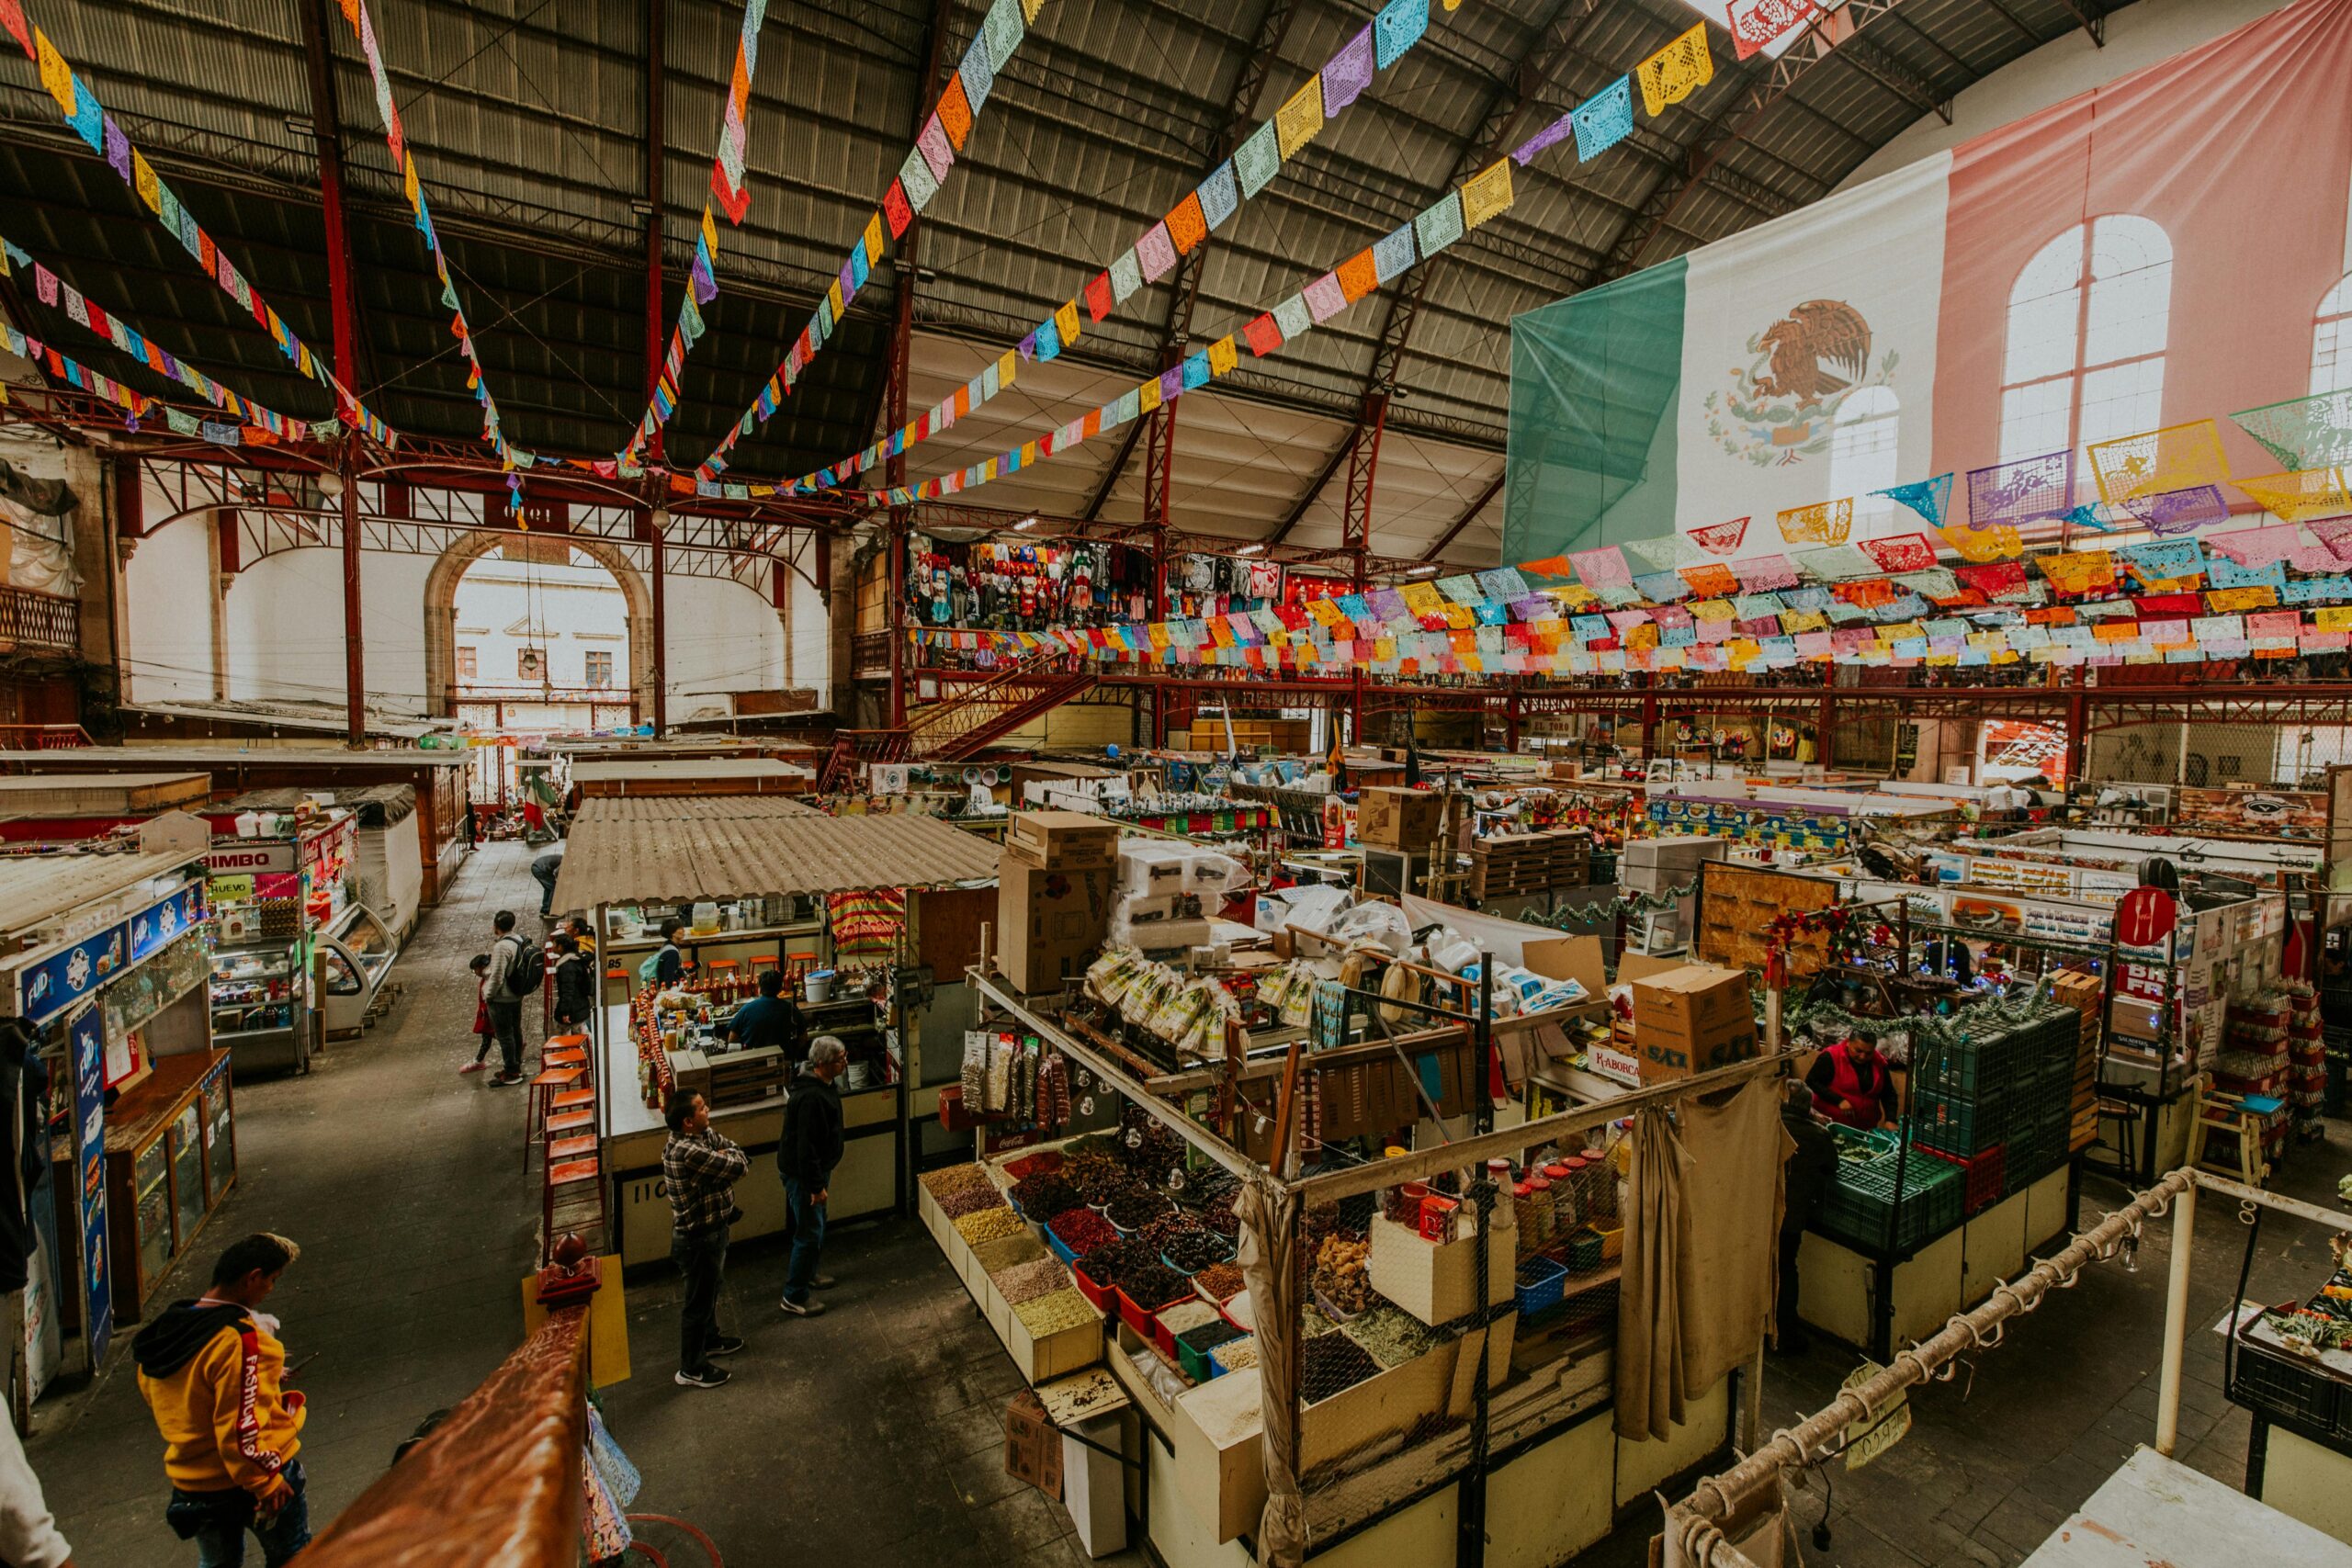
(1555, 44)
(1469, 514)
(2094, 21)
(1836, 35)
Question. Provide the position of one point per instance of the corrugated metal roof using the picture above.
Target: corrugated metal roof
(528, 127)
(674, 850)
(37, 889)
(649, 770)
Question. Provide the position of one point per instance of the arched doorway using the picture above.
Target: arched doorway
(568, 660)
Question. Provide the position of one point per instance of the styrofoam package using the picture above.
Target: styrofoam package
(1375, 922)
(1212, 875)
(1156, 936)
(1151, 871)
(1308, 909)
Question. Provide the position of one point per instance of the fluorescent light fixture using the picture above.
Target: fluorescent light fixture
(1250, 550)
(1422, 572)
(1024, 525)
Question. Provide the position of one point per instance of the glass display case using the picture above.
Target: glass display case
(170, 1160)
(261, 1004)
(357, 950)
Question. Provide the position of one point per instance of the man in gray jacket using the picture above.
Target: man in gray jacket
(505, 1006)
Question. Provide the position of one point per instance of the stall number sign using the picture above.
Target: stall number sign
(1867, 1437)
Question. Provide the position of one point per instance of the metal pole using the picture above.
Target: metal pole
(326, 131)
(661, 634)
(654, 150)
(2184, 1224)
(355, 663)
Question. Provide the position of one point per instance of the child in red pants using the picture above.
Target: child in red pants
(481, 967)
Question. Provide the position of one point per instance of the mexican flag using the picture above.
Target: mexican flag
(1933, 320)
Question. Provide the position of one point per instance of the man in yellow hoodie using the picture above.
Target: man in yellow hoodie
(211, 1370)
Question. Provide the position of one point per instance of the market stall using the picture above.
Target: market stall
(1280, 1201)
(437, 775)
(389, 847)
(276, 880)
(893, 911)
(105, 970)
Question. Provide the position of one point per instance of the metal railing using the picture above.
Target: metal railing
(35, 620)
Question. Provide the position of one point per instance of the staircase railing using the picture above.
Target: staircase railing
(442, 1504)
(992, 707)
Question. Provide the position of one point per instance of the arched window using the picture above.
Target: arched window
(2332, 340)
(2087, 364)
(1864, 439)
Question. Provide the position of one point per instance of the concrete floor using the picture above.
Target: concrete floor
(873, 1435)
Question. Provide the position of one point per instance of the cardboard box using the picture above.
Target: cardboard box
(1397, 818)
(1684, 851)
(1692, 1019)
(1048, 920)
(1033, 1448)
(2137, 1019)
(1062, 840)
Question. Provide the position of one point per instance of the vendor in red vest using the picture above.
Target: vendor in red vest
(1852, 1084)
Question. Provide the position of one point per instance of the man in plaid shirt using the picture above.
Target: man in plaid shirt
(699, 1169)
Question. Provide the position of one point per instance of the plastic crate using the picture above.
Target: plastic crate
(1054, 1245)
(1199, 1365)
(1541, 1283)
(2284, 1389)
(1857, 1205)
(1982, 1179)
(1145, 1319)
(1955, 1123)
(1102, 1297)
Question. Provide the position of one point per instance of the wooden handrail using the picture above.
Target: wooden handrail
(498, 1482)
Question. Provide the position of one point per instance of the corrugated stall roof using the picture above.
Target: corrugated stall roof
(671, 852)
(37, 889)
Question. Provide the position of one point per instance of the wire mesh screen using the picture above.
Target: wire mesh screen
(1445, 1318)
(2214, 756)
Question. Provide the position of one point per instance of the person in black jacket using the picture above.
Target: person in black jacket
(575, 985)
(1811, 1168)
(811, 1148)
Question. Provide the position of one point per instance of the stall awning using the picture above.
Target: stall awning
(672, 850)
(36, 889)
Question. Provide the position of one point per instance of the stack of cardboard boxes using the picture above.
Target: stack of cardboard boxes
(1053, 897)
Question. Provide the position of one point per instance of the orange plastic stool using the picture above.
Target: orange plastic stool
(550, 1082)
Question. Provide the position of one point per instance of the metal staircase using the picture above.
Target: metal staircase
(978, 713)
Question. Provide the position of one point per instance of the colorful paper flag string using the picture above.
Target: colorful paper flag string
(919, 179)
(56, 293)
(1756, 25)
(2304, 433)
(1259, 157)
(513, 458)
(734, 198)
(1926, 497)
(90, 120)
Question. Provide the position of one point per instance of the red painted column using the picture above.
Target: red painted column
(653, 524)
(325, 126)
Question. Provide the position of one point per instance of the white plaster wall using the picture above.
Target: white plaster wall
(2139, 35)
(167, 616)
(286, 628)
(723, 637)
(812, 642)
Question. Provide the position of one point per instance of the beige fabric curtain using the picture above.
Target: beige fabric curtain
(1649, 1309)
(1702, 1217)
(1731, 1207)
(1269, 1256)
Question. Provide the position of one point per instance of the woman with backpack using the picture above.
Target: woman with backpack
(575, 985)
